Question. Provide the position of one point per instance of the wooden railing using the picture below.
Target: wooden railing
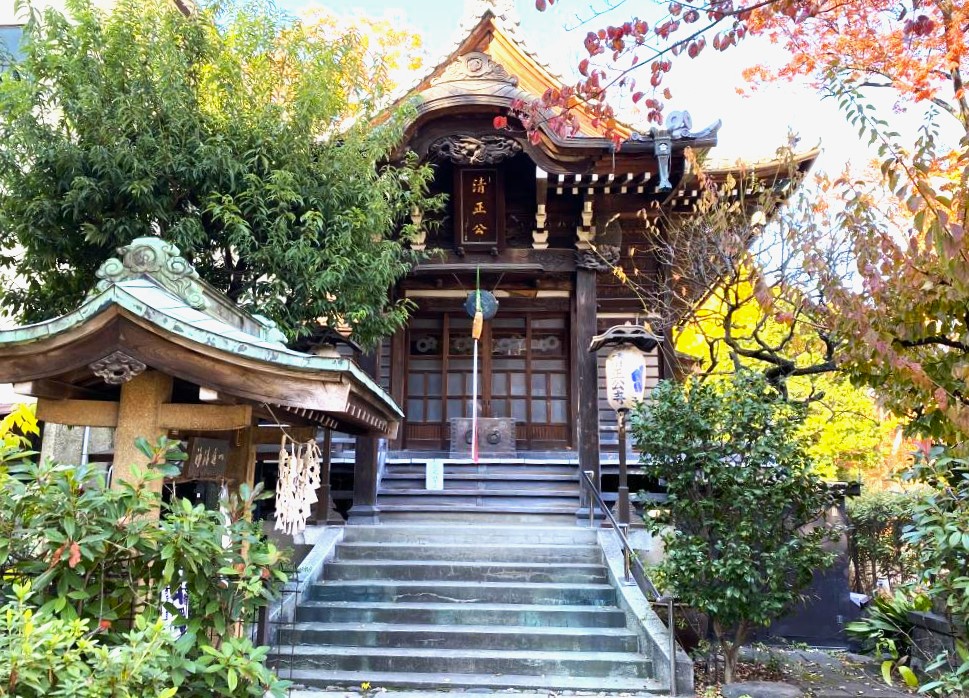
(632, 566)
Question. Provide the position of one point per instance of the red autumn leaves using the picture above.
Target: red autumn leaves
(74, 554)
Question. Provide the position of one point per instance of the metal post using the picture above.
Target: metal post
(589, 490)
(669, 602)
(623, 479)
(262, 626)
(626, 561)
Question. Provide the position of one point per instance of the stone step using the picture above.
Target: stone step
(495, 637)
(484, 462)
(494, 497)
(431, 570)
(465, 592)
(488, 552)
(462, 661)
(470, 469)
(486, 472)
(420, 534)
(478, 515)
(472, 505)
(392, 482)
(430, 684)
(459, 614)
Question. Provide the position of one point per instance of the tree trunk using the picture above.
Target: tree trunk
(730, 648)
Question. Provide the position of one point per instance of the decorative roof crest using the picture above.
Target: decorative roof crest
(475, 65)
(160, 260)
(502, 9)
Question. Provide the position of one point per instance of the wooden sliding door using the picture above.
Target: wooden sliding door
(523, 374)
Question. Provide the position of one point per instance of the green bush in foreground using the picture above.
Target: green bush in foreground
(85, 569)
(878, 551)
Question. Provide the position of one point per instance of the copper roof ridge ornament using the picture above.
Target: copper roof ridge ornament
(152, 257)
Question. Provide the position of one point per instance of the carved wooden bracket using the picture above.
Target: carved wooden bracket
(474, 150)
(418, 240)
(599, 258)
(586, 232)
(540, 234)
(663, 147)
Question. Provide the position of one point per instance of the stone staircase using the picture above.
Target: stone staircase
(430, 607)
(537, 491)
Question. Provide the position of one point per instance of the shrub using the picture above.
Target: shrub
(44, 655)
(101, 559)
(940, 534)
(741, 493)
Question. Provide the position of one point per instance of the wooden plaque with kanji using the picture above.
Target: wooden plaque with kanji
(480, 209)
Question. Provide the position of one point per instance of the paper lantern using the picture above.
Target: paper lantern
(625, 377)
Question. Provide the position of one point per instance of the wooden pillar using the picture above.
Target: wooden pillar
(398, 379)
(366, 464)
(138, 415)
(241, 467)
(586, 401)
(325, 512)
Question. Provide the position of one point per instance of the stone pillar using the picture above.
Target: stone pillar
(138, 416)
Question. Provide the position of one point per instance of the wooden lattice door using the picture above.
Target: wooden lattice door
(524, 374)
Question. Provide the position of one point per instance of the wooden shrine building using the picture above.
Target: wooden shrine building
(543, 223)
(154, 351)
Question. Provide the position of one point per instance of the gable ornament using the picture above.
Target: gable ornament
(117, 368)
(160, 260)
(474, 150)
(475, 66)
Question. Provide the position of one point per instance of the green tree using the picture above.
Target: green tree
(741, 494)
(243, 136)
(940, 536)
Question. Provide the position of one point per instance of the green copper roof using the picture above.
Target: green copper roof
(152, 281)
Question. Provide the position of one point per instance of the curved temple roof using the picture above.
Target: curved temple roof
(151, 310)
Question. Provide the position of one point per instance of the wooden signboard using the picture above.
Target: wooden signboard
(480, 209)
(207, 459)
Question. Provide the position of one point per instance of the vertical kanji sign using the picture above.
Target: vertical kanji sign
(480, 220)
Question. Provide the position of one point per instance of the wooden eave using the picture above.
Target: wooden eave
(776, 171)
(324, 391)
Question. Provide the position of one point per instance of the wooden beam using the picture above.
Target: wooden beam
(78, 413)
(273, 434)
(241, 467)
(186, 417)
(57, 390)
(267, 434)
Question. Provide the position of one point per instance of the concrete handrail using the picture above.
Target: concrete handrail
(632, 565)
